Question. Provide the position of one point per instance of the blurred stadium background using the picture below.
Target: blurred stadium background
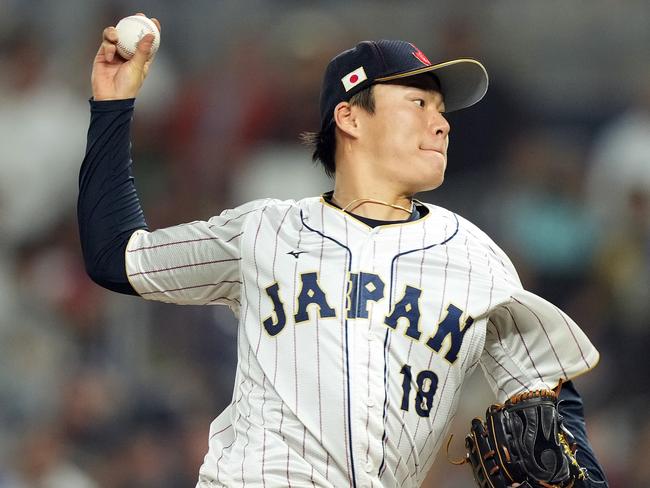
(101, 390)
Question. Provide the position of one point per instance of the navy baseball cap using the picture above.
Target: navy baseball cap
(463, 82)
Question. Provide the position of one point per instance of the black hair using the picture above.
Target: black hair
(324, 141)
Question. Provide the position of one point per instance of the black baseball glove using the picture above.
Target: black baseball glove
(523, 443)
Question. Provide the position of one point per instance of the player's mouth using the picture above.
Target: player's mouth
(434, 150)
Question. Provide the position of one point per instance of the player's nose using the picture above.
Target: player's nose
(439, 124)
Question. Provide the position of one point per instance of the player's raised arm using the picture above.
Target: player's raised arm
(113, 77)
(108, 207)
(188, 263)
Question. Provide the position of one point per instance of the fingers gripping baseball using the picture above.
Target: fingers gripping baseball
(114, 77)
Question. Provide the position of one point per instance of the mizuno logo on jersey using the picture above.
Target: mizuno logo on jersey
(364, 288)
(295, 254)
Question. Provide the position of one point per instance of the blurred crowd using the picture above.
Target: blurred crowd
(103, 390)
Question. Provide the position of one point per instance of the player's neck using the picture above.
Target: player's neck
(369, 201)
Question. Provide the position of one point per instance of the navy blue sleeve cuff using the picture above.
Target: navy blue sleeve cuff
(111, 105)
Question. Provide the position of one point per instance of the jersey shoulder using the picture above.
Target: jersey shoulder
(464, 225)
(259, 205)
(479, 237)
(270, 209)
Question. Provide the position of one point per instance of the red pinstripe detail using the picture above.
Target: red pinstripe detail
(288, 459)
(184, 266)
(222, 430)
(408, 360)
(317, 325)
(424, 444)
(492, 249)
(346, 401)
(223, 451)
(442, 300)
(320, 402)
(489, 263)
(545, 333)
(435, 447)
(295, 347)
(469, 273)
(532, 361)
(474, 330)
(573, 335)
(259, 339)
(496, 382)
(387, 342)
(506, 370)
(496, 329)
(167, 244)
(248, 359)
(189, 287)
(469, 339)
(225, 298)
(370, 322)
(473, 365)
(212, 226)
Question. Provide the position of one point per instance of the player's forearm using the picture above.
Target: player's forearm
(108, 208)
(570, 407)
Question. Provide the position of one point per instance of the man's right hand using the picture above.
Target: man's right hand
(114, 78)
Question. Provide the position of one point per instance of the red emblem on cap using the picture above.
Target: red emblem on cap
(420, 56)
(354, 79)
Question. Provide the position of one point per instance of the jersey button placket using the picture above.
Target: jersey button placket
(367, 407)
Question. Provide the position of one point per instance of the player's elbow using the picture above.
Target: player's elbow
(117, 284)
(108, 270)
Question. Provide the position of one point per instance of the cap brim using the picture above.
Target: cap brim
(463, 82)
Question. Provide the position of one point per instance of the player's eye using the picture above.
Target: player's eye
(420, 102)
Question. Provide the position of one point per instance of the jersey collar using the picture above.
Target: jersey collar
(419, 211)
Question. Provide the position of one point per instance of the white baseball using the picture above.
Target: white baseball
(130, 30)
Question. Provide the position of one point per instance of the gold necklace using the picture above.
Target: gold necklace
(380, 202)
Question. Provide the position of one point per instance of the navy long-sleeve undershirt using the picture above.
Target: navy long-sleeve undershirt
(108, 207)
(571, 409)
(109, 211)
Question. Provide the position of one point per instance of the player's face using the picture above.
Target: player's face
(407, 136)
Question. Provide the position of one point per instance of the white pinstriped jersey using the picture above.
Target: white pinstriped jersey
(353, 341)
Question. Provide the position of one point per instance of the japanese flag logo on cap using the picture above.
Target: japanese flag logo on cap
(353, 78)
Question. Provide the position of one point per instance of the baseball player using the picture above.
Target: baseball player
(361, 311)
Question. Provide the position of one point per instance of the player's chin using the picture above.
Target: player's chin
(432, 184)
(426, 184)
(432, 177)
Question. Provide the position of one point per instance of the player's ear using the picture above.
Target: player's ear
(345, 118)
